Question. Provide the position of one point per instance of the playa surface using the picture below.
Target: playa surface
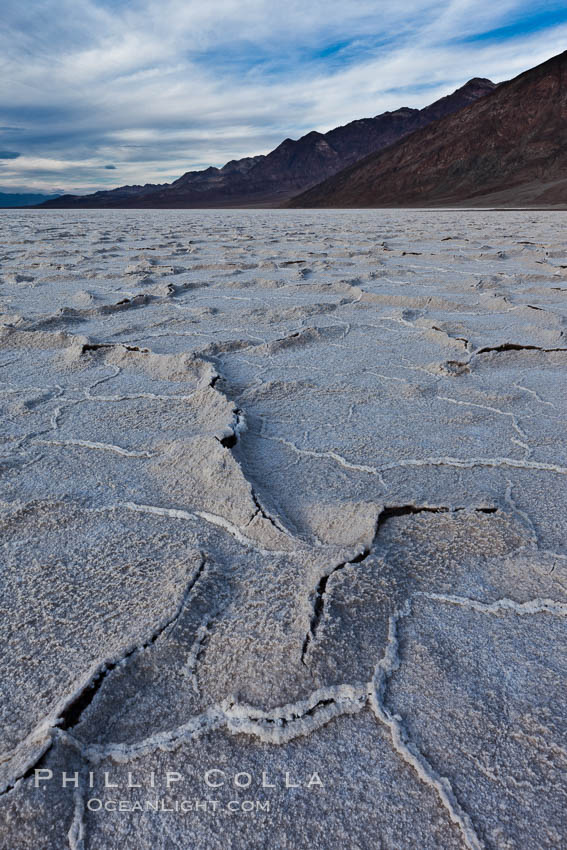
(283, 500)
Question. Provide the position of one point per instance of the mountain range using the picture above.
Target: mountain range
(505, 150)
(485, 145)
(24, 199)
(291, 168)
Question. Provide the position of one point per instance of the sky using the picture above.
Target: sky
(101, 93)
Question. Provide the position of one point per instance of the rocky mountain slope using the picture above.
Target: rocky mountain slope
(291, 168)
(506, 150)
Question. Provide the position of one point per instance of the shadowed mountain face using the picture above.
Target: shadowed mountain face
(291, 168)
(506, 150)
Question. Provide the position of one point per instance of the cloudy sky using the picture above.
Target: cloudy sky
(99, 93)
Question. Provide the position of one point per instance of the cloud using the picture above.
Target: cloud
(159, 87)
(9, 154)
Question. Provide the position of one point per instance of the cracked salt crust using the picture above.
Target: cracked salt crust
(201, 559)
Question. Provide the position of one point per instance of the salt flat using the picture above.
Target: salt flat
(283, 492)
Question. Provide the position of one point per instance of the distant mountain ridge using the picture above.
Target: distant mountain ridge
(509, 149)
(24, 199)
(292, 167)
